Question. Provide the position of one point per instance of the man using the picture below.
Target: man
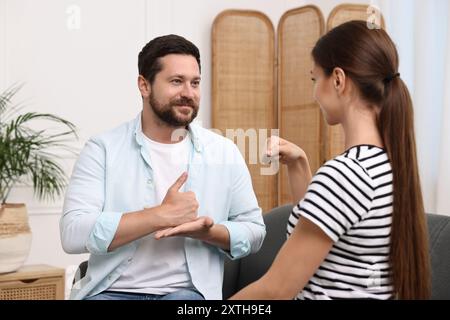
(158, 202)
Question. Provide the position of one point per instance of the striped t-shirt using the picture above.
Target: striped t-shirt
(350, 199)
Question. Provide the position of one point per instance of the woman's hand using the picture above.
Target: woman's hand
(287, 152)
(299, 172)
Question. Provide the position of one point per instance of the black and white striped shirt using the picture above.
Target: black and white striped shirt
(350, 199)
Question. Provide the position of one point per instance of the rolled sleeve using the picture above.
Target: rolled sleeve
(103, 232)
(239, 241)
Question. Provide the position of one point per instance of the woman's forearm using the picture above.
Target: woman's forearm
(299, 175)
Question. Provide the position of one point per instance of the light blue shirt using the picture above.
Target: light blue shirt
(113, 175)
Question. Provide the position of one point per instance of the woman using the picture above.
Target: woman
(359, 230)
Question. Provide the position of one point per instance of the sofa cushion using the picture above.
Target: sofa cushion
(439, 233)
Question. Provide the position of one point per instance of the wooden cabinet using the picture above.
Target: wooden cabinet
(33, 282)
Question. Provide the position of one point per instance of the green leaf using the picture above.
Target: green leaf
(27, 153)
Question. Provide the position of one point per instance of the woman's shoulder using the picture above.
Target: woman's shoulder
(361, 152)
(364, 157)
(356, 165)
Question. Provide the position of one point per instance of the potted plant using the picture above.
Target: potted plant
(26, 155)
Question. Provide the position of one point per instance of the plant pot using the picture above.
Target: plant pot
(15, 236)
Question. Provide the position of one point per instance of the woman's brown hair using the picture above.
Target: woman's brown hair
(369, 58)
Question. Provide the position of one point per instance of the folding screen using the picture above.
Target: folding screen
(243, 88)
(300, 119)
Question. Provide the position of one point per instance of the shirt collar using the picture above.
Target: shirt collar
(193, 130)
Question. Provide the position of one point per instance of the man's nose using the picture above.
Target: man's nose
(188, 91)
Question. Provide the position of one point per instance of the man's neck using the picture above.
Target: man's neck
(157, 130)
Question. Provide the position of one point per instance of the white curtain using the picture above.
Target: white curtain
(443, 185)
(421, 31)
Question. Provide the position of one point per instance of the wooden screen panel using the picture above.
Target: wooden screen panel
(299, 115)
(243, 87)
(334, 135)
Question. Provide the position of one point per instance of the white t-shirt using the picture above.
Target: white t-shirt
(159, 266)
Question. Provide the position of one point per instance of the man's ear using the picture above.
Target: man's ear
(339, 79)
(144, 87)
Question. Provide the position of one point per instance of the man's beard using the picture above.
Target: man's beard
(167, 113)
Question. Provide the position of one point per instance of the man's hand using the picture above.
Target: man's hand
(179, 207)
(197, 229)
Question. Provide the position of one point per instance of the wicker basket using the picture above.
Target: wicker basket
(15, 237)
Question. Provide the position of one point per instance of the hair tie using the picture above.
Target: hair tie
(391, 77)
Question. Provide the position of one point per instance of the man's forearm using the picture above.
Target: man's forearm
(218, 236)
(137, 224)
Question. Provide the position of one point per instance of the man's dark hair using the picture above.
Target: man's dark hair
(148, 62)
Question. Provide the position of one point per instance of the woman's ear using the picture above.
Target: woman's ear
(339, 80)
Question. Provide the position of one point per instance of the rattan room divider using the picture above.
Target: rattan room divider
(257, 87)
(300, 119)
(243, 88)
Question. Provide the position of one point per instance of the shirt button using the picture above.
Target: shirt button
(149, 182)
(129, 260)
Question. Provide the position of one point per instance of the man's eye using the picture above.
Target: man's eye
(195, 83)
(176, 81)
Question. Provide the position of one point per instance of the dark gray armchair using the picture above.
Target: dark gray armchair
(241, 272)
(244, 271)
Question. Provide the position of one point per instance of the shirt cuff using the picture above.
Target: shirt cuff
(239, 242)
(103, 232)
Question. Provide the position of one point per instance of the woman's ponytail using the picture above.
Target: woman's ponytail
(409, 238)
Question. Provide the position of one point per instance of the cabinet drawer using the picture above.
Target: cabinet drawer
(33, 289)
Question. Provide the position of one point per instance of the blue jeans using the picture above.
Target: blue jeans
(182, 294)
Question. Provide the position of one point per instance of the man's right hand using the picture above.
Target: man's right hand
(177, 208)
(180, 207)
